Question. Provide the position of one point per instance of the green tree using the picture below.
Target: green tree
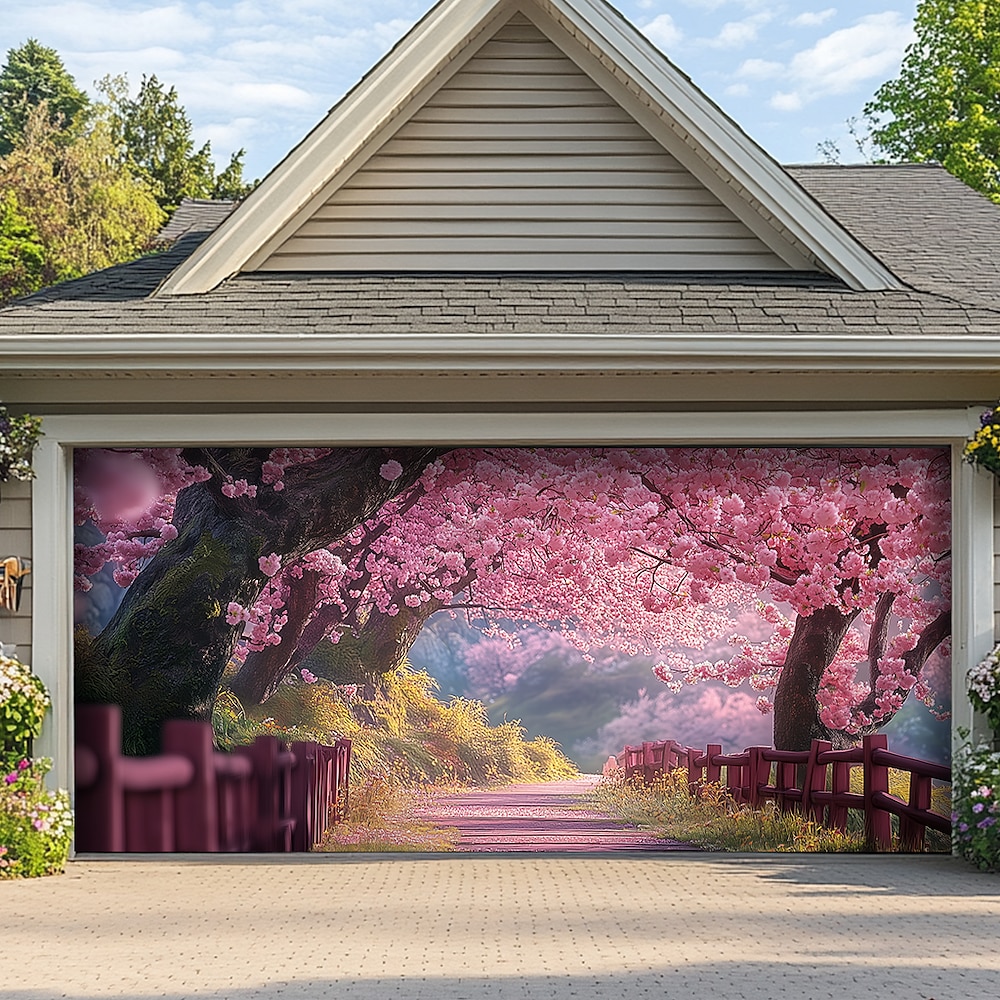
(945, 103)
(75, 201)
(155, 135)
(34, 74)
(24, 263)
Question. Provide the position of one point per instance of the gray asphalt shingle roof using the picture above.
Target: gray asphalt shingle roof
(938, 236)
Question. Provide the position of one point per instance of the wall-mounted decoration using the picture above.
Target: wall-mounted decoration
(13, 570)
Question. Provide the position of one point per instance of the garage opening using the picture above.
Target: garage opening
(513, 649)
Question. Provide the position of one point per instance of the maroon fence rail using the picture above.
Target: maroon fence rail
(759, 774)
(192, 798)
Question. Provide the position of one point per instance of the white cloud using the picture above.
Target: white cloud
(87, 25)
(845, 60)
(813, 18)
(760, 69)
(738, 34)
(782, 101)
(662, 32)
(737, 90)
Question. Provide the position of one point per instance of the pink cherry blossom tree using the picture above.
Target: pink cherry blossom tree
(820, 577)
(236, 516)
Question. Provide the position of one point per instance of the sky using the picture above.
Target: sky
(258, 74)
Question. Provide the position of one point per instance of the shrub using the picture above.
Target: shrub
(36, 825)
(976, 817)
(23, 704)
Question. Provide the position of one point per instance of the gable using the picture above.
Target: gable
(406, 173)
(521, 161)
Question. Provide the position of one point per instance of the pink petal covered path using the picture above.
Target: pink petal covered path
(549, 816)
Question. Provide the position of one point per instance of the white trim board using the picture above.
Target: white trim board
(52, 637)
(534, 353)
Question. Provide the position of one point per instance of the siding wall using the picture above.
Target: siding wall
(521, 162)
(15, 540)
(996, 563)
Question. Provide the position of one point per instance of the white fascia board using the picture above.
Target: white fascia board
(885, 427)
(715, 132)
(309, 167)
(443, 353)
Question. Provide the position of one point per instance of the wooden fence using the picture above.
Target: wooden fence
(191, 798)
(815, 782)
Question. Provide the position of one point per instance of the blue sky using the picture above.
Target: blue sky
(260, 73)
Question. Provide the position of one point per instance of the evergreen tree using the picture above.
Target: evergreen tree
(155, 135)
(34, 74)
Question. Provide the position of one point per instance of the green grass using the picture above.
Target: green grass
(715, 822)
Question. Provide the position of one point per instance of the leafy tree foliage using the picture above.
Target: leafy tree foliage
(945, 103)
(68, 209)
(33, 75)
(155, 136)
(23, 260)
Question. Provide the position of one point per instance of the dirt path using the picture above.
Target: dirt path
(541, 817)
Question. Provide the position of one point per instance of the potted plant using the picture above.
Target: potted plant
(983, 448)
(18, 437)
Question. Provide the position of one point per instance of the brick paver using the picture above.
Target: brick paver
(530, 926)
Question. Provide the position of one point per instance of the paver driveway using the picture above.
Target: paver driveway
(532, 926)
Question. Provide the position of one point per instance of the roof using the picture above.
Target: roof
(933, 231)
(953, 287)
(195, 215)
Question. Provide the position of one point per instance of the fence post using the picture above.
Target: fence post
(304, 776)
(911, 833)
(760, 774)
(100, 808)
(878, 829)
(815, 780)
(648, 763)
(713, 771)
(196, 813)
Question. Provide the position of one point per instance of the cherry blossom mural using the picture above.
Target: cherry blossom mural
(814, 581)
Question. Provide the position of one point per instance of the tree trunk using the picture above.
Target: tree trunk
(163, 653)
(814, 644)
(378, 646)
(262, 670)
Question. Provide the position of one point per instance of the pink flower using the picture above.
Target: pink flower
(23, 765)
(308, 676)
(11, 778)
(391, 471)
(269, 565)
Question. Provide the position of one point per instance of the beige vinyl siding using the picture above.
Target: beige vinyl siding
(996, 563)
(15, 540)
(521, 162)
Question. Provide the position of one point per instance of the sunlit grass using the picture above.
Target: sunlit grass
(405, 743)
(382, 819)
(713, 821)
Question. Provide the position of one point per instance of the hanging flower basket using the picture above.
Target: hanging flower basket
(983, 448)
(18, 437)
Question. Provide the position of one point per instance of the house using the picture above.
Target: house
(525, 225)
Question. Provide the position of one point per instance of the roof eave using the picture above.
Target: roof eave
(436, 353)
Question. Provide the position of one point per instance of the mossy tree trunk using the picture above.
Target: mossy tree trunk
(163, 653)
